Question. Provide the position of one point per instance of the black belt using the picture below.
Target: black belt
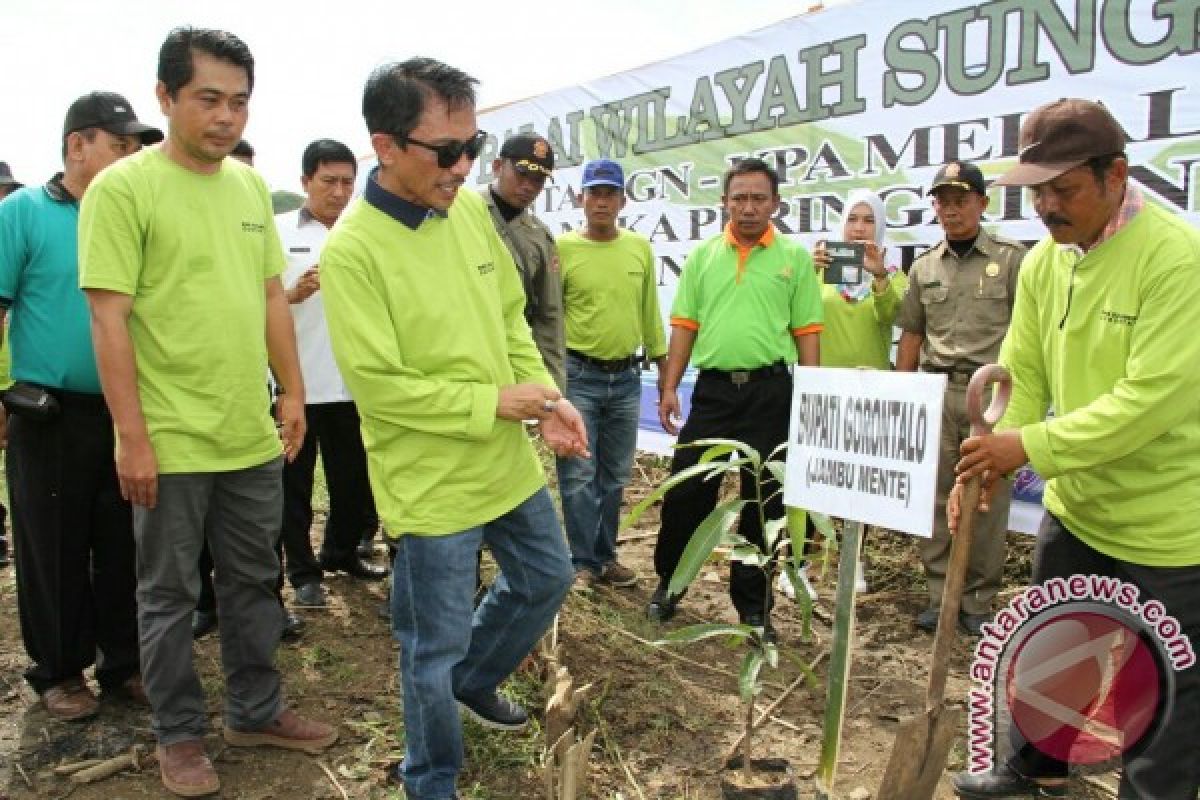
(740, 376)
(605, 364)
(955, 374)
(84, 401)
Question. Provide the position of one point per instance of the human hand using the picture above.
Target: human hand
(669, 412)
(137, 470)
(564, 431)
(521, 401)
(308, 284)
(873, 259)
(990, 457)
(820, 256)
(289, 413)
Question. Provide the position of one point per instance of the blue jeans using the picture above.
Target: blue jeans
(448, 648)
(591, 488)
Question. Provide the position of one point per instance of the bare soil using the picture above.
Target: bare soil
(665, 716)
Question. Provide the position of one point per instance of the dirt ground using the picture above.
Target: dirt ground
(664, 716)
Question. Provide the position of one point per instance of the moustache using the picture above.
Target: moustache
(1053, 219)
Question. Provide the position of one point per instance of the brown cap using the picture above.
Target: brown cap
(1060, 136)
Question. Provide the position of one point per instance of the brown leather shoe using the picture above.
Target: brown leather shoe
(290, 731)
(186, 770)
(132, 691)
(70, 700)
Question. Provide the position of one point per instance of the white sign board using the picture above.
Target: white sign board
(863, 445)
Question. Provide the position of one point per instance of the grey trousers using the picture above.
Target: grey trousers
(239, 512)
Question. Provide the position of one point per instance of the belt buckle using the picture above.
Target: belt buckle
(738, 377)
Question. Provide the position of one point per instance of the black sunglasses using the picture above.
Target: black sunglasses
(449, 153)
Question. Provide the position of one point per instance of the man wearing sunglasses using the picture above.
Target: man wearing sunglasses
(426, 315)
(526, 161)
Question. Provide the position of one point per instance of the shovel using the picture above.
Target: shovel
(922, 743)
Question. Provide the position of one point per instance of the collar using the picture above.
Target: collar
(59, 193)
(766, 240)
(305, 217)
(403, 211)
(983, 243)
(1131, 204)
(506, 210)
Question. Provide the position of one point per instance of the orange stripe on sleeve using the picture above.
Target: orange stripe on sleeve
(684, 322)
(807, 329)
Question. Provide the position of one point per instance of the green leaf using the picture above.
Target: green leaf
(750, 452)
(748, 685)
(779, 448)
(750, 556)
(824, 524)
(778, 470)
(701, 545)
(771, 652)
(708, 470)
(715, 452)
(694, 633)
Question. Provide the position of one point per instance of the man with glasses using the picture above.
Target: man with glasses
(426, 315)
(1103, 332)
(525, 162)
(953, 318)
(748, 307)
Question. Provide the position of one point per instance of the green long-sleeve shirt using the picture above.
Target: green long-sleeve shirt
(1108, 341)
(426, 326)
(860, 334)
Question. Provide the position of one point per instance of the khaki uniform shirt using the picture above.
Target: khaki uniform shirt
(532, 248)
(962, 306)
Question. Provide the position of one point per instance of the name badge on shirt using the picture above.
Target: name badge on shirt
(299, 249)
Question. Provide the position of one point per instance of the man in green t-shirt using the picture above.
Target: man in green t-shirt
(1103, 332)
(611, 304)
(747, 308)
(426, 316)
(180, 259)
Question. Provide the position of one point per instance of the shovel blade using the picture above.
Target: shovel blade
(919, 755)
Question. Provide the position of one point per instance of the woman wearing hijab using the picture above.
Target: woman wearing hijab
(858, 316)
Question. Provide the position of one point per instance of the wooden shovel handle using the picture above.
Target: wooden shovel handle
(960, 548)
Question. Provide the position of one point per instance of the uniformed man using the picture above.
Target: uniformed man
(525, 162)
(953, 318)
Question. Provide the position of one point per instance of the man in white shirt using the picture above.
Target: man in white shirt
(329, 170)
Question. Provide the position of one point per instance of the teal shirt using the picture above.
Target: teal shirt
(49, 323)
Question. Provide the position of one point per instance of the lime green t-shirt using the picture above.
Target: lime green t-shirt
(747, 304)
(427, 325)
(194, 251)
(860, 334)
(610, 296)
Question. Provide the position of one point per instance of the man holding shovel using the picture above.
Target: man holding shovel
(1102, 332)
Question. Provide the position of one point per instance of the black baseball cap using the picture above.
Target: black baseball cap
(529, 152)
(6, 176)
(961, 175)
(111, 112)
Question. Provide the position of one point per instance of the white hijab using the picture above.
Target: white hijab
(855, 292)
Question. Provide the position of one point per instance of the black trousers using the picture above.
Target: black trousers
(755, 413)
(333, 431)
(73, 536)
(1168, 768)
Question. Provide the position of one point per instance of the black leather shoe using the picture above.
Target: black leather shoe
(1003, 782)
(366, 548)
(310, 595)
(293, 626)
(762, 626)
(203, 622)
(355, 567)
(662, 605)
(927, 619)
(973, 623)
(494, 710)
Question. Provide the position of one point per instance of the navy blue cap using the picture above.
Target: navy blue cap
(603, 172)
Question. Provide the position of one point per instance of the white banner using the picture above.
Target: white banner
(863, 445)
(876, 94)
